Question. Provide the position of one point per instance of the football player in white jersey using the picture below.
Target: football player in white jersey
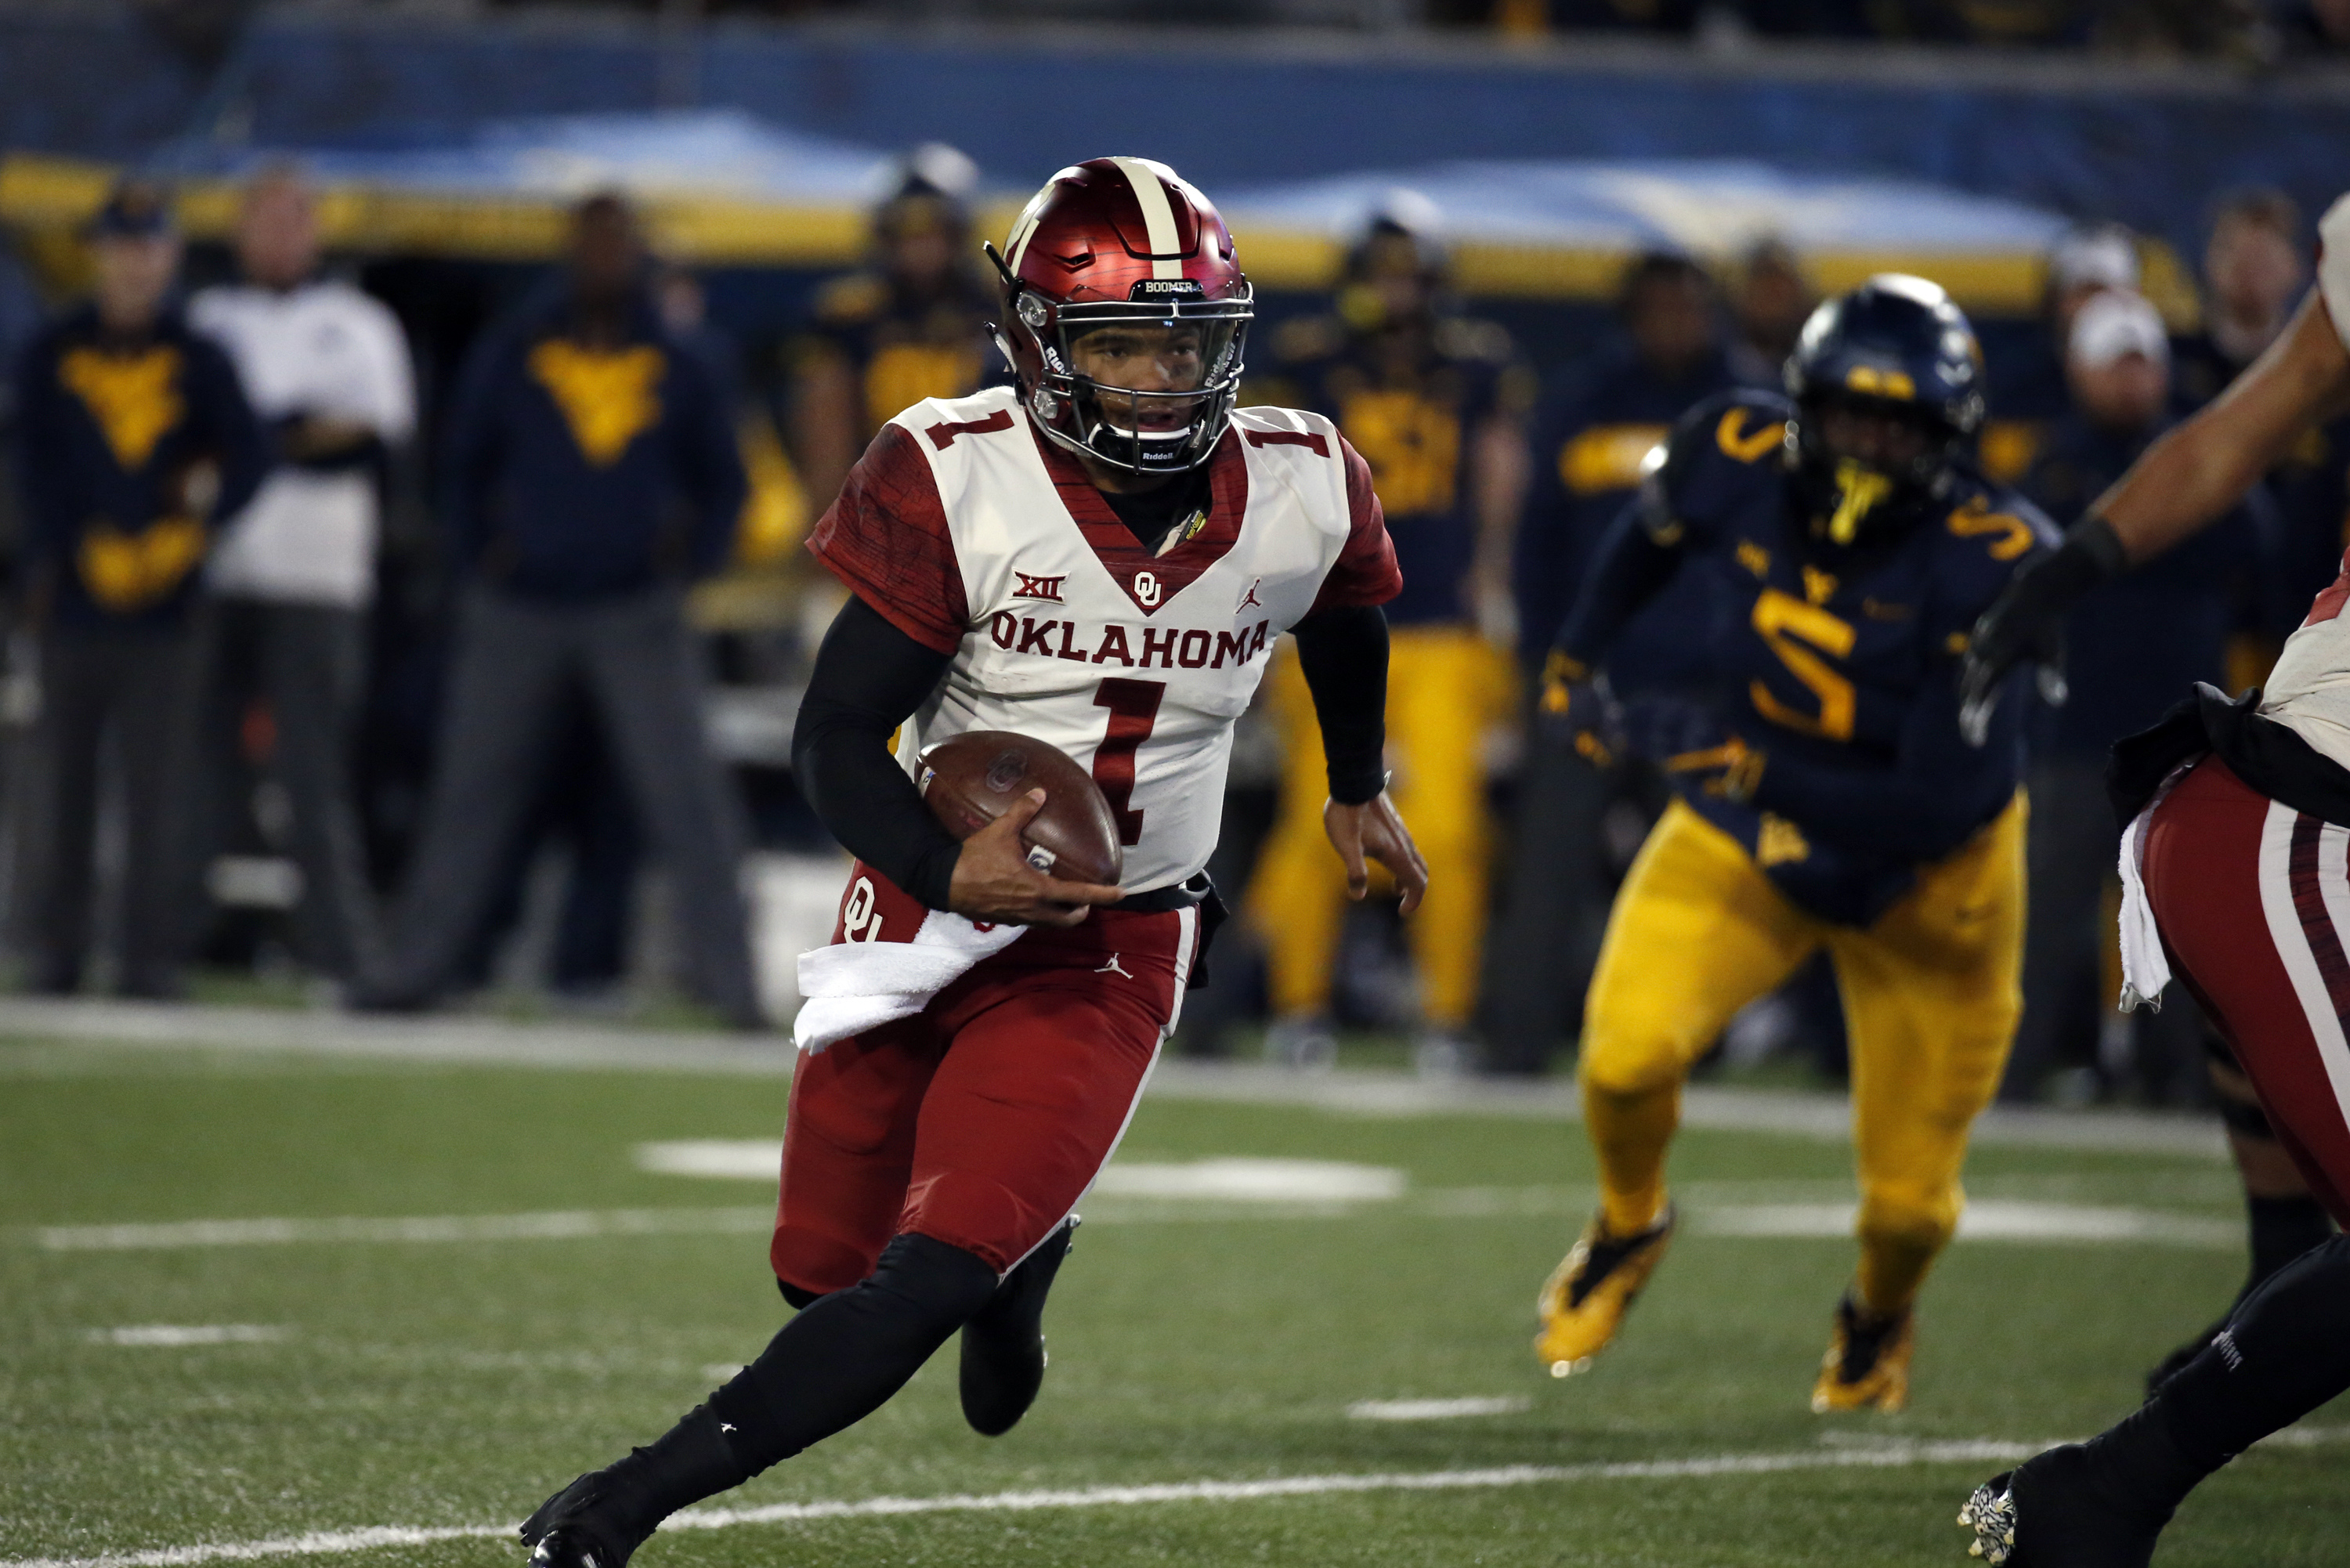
(1098, 558)
(2234, 871)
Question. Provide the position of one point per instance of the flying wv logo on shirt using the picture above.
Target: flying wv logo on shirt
(134, 398)
(607, 396)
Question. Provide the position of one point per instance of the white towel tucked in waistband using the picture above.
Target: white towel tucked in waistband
(854, 986)
(2145, 969)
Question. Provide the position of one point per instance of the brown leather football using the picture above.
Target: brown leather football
(974, 778)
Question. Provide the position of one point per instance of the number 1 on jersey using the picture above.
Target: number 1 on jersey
(1133, 709)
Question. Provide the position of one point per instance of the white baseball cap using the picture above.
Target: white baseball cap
(2113, 324)
(2101, 255)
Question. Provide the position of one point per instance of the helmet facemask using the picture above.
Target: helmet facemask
(1145, 430)
(1854, 495)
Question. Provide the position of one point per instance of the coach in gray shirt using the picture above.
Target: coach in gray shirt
(326, 368)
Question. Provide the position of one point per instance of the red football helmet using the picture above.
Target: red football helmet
(1123, 241)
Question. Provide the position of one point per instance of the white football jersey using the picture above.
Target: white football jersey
(1136, 665)
(2309, 690)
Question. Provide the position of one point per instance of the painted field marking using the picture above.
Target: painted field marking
(1220, 1179)
(1889, 1455)
(561, 1225)
(1437, 1410)
(166, 1335)
(331, 1542)
(1991, 1220)
(572, 1046)
(1212, 1190)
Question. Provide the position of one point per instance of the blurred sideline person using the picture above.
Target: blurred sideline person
(2029, 389)
(2253, 274)
(1770, 300)
(134, 436)
(1591, 435)
(1823, 799)
(2131, 647)
(912, 324)
(591, 471)
(291, 579)
(1433, 401)
(966, 1091)
(2238, 879)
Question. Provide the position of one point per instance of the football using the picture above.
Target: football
(974, 778)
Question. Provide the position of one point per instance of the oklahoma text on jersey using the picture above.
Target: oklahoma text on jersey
(977, 539)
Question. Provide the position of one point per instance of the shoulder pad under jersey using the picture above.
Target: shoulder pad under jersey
(1725, 447)
(1986, 534)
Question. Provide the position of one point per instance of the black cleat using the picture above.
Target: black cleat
(2055, 1512)
(1003, 1344)
(571, 1530)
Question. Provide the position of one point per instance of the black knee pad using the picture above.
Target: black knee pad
(797, 1298)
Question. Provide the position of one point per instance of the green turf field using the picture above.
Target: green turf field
(452, 1378)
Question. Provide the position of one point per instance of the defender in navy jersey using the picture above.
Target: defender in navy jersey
(1843, 543)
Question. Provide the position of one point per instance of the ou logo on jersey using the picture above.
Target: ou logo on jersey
(860, 920)
(1146, 588)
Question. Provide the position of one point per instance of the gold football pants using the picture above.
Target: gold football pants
(1931, 992)
(1446, 687)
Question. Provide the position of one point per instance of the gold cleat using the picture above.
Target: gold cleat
(1584, 1300)
(1868, 1363)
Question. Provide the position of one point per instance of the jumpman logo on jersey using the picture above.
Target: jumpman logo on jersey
(1250, 597)
(1114, 967)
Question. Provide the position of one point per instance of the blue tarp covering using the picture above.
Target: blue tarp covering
(1699, 206)
(720, 153)
(1227, 112)
(1711, 207)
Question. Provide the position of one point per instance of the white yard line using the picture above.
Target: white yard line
(561, 1225)
(573, 1046)
(2015, 1221)
(1438, 1409)
(322, 1544)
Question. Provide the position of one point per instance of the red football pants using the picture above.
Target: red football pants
(2253, 901)
(980, 1121)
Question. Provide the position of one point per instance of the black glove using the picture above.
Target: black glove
(2027, 622)
(1578, 703)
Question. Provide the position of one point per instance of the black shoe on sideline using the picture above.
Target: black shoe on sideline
(2050, 1512)
(569, 1530)
(1004, 1346)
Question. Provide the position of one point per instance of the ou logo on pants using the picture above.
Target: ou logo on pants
(1146, 588)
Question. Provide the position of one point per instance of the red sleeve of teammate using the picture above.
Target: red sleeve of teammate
(1365, 572)
(887, 538)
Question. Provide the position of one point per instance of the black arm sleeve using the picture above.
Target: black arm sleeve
(1626, 571)
(1343, 651)
(868, 677)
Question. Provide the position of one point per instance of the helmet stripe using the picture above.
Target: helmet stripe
(1024, 228)
(1158, 215)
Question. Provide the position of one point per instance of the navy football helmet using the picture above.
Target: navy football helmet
(1897, 350)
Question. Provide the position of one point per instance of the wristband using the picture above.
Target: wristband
(2095, 540)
